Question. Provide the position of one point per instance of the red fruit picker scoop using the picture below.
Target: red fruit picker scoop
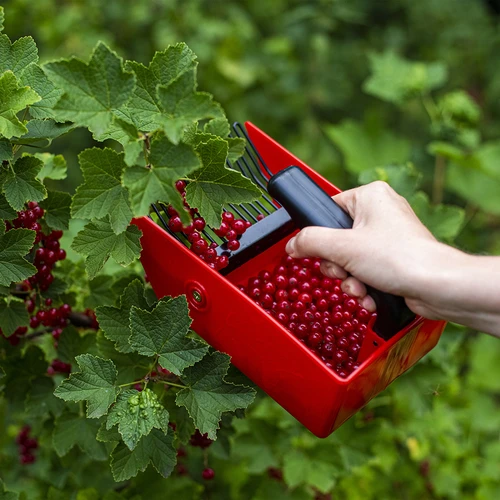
(290, 329)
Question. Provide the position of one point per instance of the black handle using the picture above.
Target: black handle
(309, 205)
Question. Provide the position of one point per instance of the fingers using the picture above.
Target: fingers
(328, 244)
(357, 289)
(332, 270)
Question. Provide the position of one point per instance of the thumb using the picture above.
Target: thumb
(335, 245)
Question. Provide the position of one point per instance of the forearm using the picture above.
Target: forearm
(461, 288)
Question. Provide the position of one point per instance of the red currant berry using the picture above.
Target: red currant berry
(239, 226)
(314, 339)
(194, 236)
(351, 304)
(208, 474)
(222, 261)
(199, 224)
(227, 217)
(305, 287)
(34, 322)
(269, 287)
(328, 349)
(363, 315)
(340, 355)
(260, 217)
(223, 230)
(210, 254)
(180, 186)
(199, 247)
(302, 331)
(282, 317)
(175, 224)
(61, 254)
(281, 281)
(231, 235)
(233, 245)
(293, 293)
(38, 212)
(343, 343)
(266, 301)
(65, 310)
(322, 304)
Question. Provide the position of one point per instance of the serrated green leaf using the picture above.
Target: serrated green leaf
(115, 321)
(21, 184)
(182, 105)
(18, 55)
(33, 76)
(6, 211)
(395, 79)
(54, 166)
(97, 241)
(213, 185)
(162, 332)
(43, 132)
(13, 99)
(217, 126)
(102, 193)
(101, 292)
(169, 163)
(14, 245)
(95, 383)
(299, 468)
(155, 448)
(207, 395)
(444, 221)
(137, 414)
(13, 314)
(73, 430)
(144, 109)
(5, 150)
(93, 90)
(365, 148)
(57, 209)
(41, 400)
(2, 18)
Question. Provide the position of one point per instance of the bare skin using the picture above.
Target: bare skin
(390, 249)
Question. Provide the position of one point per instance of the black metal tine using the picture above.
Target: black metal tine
(165, 224)
(238, 126)
(250, 214)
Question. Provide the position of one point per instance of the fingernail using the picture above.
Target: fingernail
(290, 246)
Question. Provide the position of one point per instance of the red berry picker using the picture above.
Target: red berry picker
(290, 329)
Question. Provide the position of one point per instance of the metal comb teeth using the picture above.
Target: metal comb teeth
(270, 222)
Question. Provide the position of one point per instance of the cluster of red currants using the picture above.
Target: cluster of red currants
(230, 230)
(26, 446)
(313, 307)
(15, 338)
(58, 366)
(198, 440)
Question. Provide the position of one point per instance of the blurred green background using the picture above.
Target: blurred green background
(402, 90)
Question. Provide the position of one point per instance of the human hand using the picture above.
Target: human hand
(388, 248)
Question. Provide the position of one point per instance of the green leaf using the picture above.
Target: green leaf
(41, 400)
(95, 383)
(57, 209)
(21, 184)
(43, 132)
(54, 166)
(101, 292)
(298, 469)
(169, 163)
(34, 76)
(137, 414)
(444, 221)
(128, 136)
(482, 359)
(404, 179)
(208, 395)
(73, 343)
(2, 18)
(12, 100)
(183, 106)
(13, 314)
(395, 79)
(102, 193)
(14, 245)
(5, 150)
(365, 148)
(115, 321)
(213, 185)
(475, 177)
(93, 90)
(155, 448)
(6, 211)
(459, 107)
(162, 332)
(144, 109)
(73, 430)
(18, 55)
(97, 241)
(108, 435)
(4, 494)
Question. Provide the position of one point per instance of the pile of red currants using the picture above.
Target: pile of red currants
(314, 308)
(26, 446)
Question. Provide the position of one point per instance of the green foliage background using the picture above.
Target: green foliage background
(330, 80)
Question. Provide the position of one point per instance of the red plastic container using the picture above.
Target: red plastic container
(261, 347)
